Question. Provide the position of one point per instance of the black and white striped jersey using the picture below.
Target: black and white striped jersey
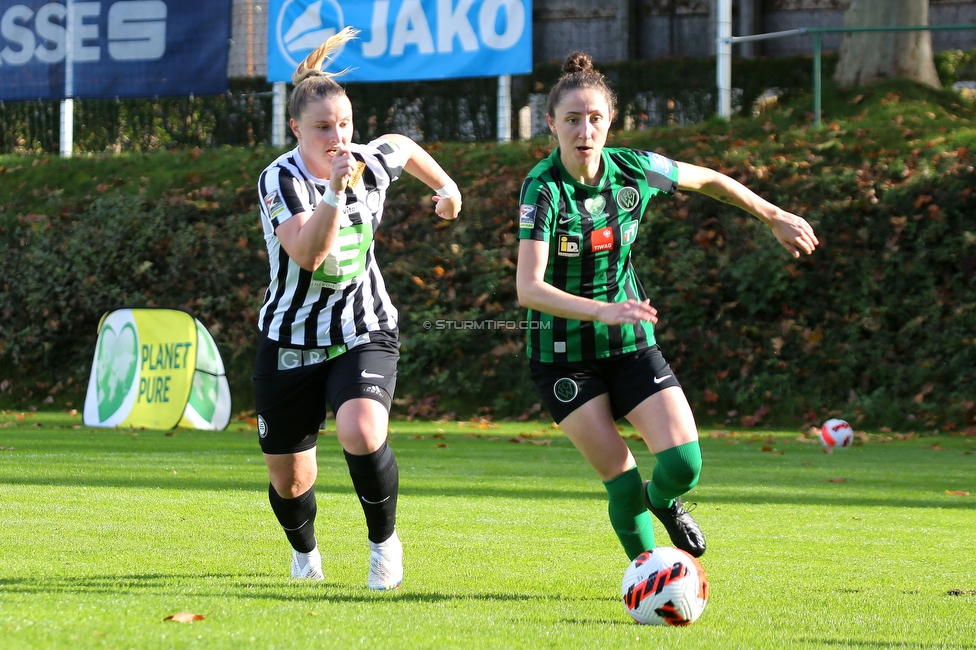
(344, 299)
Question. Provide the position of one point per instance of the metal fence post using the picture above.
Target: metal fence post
(505, 108)
(67, 123)
(817, 84)
(278, 114)
(723, 58)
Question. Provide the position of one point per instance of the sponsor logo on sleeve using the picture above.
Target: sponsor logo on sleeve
(660, 164)
(526, 216)
(276, 207)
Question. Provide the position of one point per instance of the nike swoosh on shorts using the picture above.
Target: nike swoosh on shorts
(370, 375)
(658, 380)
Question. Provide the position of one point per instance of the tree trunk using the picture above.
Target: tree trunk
(872, 56)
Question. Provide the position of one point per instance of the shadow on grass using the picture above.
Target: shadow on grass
(252, 587)
(460, 489)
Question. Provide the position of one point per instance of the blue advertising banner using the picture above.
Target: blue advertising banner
(125, 48)
(404, 40)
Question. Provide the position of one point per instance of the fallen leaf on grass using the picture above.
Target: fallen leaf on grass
(837, 480)
(961, 592)
(442, 445)
(957, 493)
(184, 617)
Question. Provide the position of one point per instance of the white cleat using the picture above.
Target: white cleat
(385, 565)
(307, 565)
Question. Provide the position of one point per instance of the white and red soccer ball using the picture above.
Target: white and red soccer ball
(836, 433)
(665, 586)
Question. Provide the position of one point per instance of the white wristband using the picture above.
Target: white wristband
(330, 197)
(449, 190)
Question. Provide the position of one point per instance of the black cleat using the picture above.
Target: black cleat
(684, 531)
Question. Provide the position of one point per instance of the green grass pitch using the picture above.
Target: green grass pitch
(106, 532)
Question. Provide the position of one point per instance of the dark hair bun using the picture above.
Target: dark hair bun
(577, 62)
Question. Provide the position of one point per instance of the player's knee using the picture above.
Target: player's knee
(684, 473)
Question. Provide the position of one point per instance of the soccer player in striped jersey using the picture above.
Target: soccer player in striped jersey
(591, 346)
(328, 329)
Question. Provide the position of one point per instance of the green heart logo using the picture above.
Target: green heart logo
(595, 204)
(115, 369)
(205, 390)
(203, 395)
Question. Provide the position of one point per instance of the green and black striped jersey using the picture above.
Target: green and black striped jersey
(590, 231)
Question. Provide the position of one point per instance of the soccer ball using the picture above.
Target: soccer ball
(836, 433)
(665, 586)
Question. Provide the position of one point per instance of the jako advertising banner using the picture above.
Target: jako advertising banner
(126, 48)
(404, 40)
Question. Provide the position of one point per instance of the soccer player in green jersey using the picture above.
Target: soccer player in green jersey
(591, 344)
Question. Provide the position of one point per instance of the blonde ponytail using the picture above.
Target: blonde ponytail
(313, 62)
(311, 83)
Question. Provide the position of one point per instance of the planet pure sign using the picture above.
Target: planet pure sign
(156, 368)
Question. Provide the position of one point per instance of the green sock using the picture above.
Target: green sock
(676, 472)
(628, 515)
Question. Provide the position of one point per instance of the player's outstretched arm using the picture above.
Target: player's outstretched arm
(792, 231)
(422, 165)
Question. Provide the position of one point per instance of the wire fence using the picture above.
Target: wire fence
(454, 110)
(649, 94)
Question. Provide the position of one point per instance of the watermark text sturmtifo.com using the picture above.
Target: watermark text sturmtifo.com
(485, 325)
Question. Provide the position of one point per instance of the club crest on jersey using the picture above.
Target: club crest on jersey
(628, 198)
(526, 216)
(628, 234)
(373, 200)
(569, 246)
(565, 389)
(595, 204)
(601, 240)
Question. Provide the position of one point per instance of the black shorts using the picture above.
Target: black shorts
(628, 379)
(292, 386)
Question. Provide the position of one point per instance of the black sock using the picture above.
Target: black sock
(377, 481)
(297, 517)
